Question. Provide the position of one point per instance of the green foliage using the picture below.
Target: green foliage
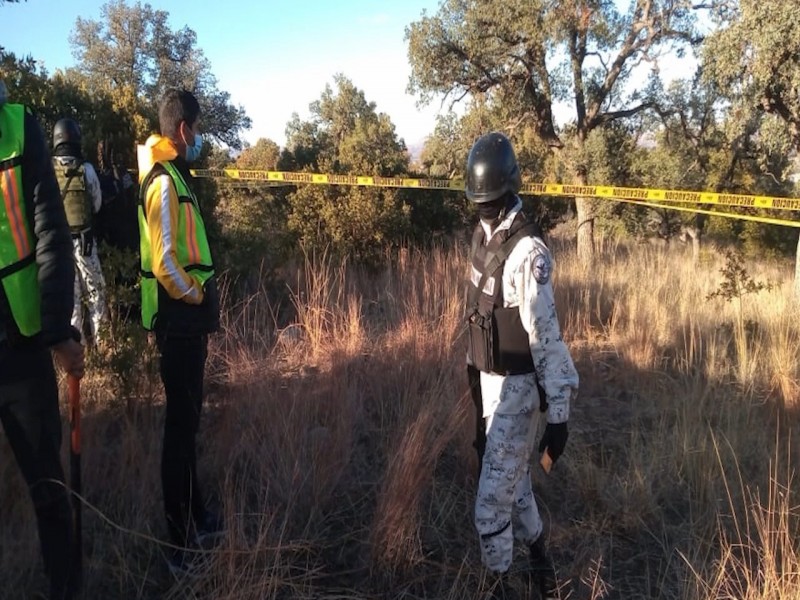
(132, 54)
(264, 155)
(125, 352)
(736, 280)
(347, 135)
(736, 284)
(755, 56)
(65, 94)
(434, 213)
(526, 56)
(361, 222)
(254, 237)
(508, 49)
(763, 241)
(26, 82)
(126, 60)
(446, 150)
(732, 127)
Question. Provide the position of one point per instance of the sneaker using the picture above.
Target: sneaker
(543, 571)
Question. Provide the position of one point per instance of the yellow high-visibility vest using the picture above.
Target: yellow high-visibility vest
(192, 250)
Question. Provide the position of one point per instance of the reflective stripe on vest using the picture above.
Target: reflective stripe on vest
(191, 244)
(18, 270)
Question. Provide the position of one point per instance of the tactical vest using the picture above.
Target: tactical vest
(498, 343)
(191, 243)
(18, 270)
(77, 200)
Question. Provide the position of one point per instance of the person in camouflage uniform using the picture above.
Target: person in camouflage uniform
(517, 361)
(82, 198)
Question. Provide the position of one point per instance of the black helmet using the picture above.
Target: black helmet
(66, 131)
(492, 169)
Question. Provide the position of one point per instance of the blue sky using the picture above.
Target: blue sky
(273, 57)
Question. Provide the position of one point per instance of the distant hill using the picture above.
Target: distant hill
(415, 150)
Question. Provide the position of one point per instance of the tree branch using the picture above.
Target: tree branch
(489, 79)
(608, 117)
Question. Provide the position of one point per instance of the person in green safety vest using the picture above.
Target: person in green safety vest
(180, 305)
(35, 306)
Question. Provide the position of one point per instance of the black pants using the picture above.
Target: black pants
(474, 379)
(183, 362)
(32, 424)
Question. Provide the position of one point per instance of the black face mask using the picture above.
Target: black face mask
(490, 211)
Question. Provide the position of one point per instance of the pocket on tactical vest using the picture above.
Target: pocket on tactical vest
(480, 351)
(511, 343)
(498, 343)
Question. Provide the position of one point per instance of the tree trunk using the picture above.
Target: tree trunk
(694, 233)
(585, 210)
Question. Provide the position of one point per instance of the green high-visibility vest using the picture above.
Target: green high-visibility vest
(18, 270)
(191, 243)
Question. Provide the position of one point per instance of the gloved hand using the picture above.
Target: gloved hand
(554, 440)
(87, 242)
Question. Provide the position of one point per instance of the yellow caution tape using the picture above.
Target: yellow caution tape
(713, 213)
(291, 178)
(661, 195)
(642, 196)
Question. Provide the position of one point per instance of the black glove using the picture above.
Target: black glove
(87, 242)
(554, 440)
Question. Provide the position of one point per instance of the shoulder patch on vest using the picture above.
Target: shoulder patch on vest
(542, 268)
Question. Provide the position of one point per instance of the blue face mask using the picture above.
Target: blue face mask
(193, 151)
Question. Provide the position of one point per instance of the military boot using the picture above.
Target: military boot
(542, 571)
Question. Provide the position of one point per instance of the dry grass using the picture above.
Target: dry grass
(338, 446)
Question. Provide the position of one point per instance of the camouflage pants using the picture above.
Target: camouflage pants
(90, 288)
(505, 508)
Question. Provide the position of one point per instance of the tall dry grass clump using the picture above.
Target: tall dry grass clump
(336, 441)
(670, 371)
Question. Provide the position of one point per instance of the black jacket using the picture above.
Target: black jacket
(45, 214)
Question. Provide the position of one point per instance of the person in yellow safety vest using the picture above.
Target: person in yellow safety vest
(179, 304)
(35, 306)
(80, 192)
